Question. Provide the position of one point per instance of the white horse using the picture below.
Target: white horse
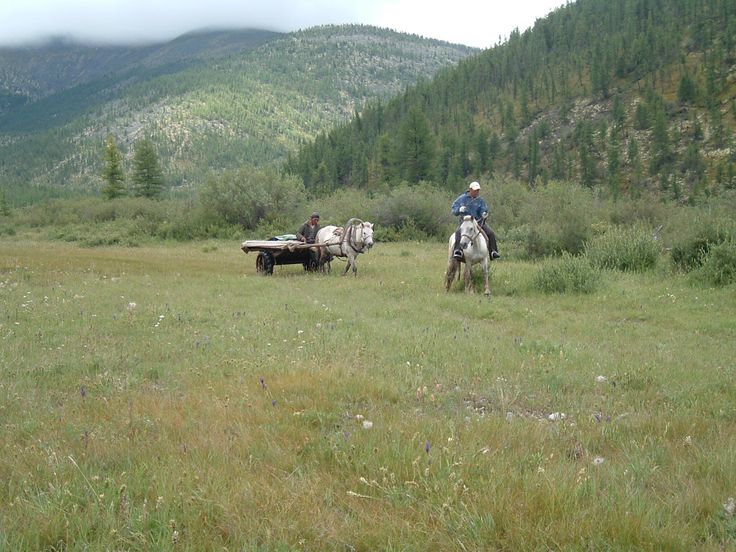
(348, 242)
(474, 245)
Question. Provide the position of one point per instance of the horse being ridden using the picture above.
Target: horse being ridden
(348, 242)
(474, 247)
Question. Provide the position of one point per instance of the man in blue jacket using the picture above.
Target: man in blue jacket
(470, 203)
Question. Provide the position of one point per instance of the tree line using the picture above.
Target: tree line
(621, 95)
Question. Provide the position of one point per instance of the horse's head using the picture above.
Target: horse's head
(469, 231)
(367, 235)
(362, 234)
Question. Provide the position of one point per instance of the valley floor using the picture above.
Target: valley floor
(168, 397)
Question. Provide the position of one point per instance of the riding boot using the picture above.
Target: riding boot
(492, 245)
(457, 253)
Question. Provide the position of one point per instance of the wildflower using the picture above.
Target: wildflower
(426, 447)
(598, 460)
(729, 507)
(555, 416)
(263, 383)
(367, 424)
(601, 379)
(132, 306)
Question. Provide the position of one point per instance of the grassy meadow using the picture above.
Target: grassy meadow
(167, 397)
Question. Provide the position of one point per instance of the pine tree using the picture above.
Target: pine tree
(661, 148)
(147, 175)
(416, 148)
(113, 171)
(4, 206)
(687, 91)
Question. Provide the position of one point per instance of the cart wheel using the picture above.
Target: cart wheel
(264, 263)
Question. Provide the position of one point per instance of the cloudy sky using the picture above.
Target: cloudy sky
(477, 23)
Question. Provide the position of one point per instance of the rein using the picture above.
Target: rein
(476, 228)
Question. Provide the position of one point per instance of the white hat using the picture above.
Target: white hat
(474, 186)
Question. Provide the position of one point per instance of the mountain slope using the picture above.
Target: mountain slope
(616, 94)
(209, 101)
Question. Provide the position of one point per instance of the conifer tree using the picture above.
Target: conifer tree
(148, 178)
(4, 206)
(113, 171)
(416, 148)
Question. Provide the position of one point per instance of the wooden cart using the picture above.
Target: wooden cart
(280, 250)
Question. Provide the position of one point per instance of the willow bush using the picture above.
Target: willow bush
(631, 249)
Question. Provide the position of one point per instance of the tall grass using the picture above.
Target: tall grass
(567, 274)
(167, 397)
(632, 248)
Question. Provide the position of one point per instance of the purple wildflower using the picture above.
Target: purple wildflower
(263, 383)
(426, 447)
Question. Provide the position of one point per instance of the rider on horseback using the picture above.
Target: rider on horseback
(470, 203)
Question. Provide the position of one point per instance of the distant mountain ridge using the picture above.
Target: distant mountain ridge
(34, 72)
(210, 100)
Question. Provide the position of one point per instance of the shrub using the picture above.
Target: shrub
(719, 265)
(631, 249)
(567, 274)
(559, 216)
(424, 207)
(696, 240)
(249, 196)
(342, 205)
(407, 232)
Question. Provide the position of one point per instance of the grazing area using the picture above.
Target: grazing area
(168, 397)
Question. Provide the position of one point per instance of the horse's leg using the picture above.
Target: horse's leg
(468, 278)
(348, 264)
(485, 276)
(450, 274)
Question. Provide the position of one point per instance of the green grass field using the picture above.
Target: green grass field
(167, 397)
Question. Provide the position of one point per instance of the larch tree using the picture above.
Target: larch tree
(148, 178)
(113, 172)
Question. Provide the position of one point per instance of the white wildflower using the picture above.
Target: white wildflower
(601, 379)
(556, 416)
(367, 424)
(598, 460)
(729, 507)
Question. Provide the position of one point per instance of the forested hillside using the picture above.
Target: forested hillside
(619, 95)
(208, 101)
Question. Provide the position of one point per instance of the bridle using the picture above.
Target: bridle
(476, 230)
(351, 239)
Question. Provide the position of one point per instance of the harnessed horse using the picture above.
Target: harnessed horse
(347, 242)
(474, 245)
